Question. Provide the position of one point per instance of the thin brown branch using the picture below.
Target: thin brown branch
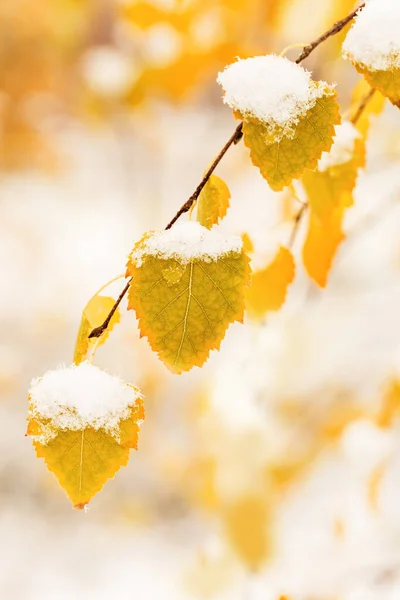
(234, 139)
(296, 225)
(336, 28)
(362, 106)
(97, 332)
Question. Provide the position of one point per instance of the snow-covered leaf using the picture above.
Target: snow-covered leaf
(188, 286)
(373, 46)
(83, 423)
(288, 119)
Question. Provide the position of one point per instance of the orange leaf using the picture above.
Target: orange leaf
(269, 286)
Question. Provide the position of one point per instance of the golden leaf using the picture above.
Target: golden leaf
(213, 202)
(329, 194)
(83, 460)
(246, 523)
(83, 452)
(281, 162)
(186, 316)
(322, 241)
(387, 82)
(93, 315)
(269, 286)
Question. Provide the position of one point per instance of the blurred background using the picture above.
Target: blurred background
(273, 473)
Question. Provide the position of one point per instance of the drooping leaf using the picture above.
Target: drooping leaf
(83, 451)
(387, 82)
(323, 239)
(213, 202)
(93, 315)
(330, 193)
(269, 286)
(282, 161)
(186, 302)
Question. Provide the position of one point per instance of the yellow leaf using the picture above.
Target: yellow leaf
(83, 452)
(322, 241)
(281, 162)
(372, 45)
(387, 82)
(373, 107)
(246, 523)
(186, 316)
(93, 315)
(269, 286)
(329, 190)
(213, 202)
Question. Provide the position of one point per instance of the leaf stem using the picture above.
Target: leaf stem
(234, 139)
(296, 224)
(361, 107)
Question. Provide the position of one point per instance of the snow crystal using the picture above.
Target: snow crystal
(271, 89)
(342, 149)
(374, 41)
(186, 241)
(80, 396)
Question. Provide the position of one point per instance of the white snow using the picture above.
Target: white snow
(342, 149)
(273, 90)
(374, 40)
(80, 396)
(187, 241)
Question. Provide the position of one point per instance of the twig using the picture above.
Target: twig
(296, 224)
(234, 139)
(362, 106)
(99, 330)
(336, 28)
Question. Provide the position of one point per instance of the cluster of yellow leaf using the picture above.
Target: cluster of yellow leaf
(282, 161)
(203, 37)
(185, 307)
